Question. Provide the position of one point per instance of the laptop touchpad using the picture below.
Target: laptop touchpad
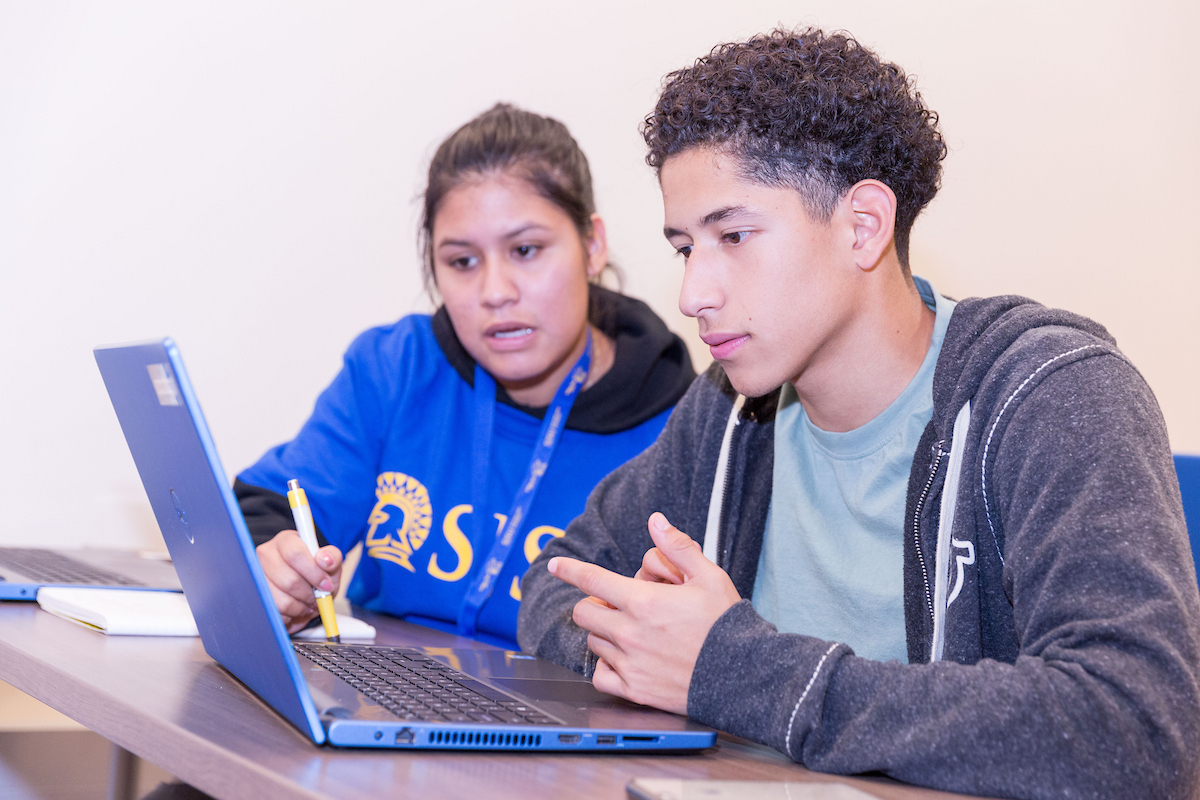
(572, 692)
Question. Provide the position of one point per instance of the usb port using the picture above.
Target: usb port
(606, 739)
(568, 738)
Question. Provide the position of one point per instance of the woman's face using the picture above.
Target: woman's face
(513, 273)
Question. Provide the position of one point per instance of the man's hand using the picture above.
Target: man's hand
(648, 630)
(292, 573)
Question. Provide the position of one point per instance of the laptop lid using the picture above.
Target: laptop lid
(203, 526)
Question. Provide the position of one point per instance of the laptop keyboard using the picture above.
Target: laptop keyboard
(414, 686)
(50, 566)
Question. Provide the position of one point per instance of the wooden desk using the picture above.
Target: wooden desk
(166, 701)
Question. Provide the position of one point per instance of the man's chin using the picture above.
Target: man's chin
(747, 382)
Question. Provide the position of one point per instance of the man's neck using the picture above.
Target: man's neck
(872, 360)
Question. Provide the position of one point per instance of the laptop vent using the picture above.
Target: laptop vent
(485, 739)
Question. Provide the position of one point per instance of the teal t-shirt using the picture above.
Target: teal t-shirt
(832, 562)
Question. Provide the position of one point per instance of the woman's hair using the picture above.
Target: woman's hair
(506, 140)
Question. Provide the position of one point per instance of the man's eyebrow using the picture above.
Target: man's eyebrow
(709, 219)
(721, 214)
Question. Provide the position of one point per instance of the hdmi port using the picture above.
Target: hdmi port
(568, 738)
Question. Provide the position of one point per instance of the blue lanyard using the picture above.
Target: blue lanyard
(547, 442)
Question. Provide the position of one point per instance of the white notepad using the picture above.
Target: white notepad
(131, 612)
(121, 612)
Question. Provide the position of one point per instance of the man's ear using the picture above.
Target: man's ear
(596, 248)
(873, 208)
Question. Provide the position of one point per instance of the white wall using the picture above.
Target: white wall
(243, 176)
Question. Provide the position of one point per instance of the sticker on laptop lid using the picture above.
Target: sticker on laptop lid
(164, 385)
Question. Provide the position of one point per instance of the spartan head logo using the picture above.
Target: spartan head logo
(400, 519)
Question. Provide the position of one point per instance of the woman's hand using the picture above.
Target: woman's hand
(292, 573)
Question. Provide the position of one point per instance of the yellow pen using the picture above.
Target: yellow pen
(302, 514)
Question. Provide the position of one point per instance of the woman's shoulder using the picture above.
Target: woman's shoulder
(411, 335)
(398, 360)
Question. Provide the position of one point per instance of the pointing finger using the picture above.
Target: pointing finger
(610, 587)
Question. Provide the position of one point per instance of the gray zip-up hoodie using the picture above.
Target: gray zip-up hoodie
(1051, 606)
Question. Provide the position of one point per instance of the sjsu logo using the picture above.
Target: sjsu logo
(398, 539)
(398, 491)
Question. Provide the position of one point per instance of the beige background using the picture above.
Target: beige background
(243, 176)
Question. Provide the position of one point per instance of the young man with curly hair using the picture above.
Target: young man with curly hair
(948, 538)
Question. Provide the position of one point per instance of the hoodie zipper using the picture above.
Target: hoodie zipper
(725, 499)
(933, 470)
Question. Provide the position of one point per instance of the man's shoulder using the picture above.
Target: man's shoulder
(996, 346)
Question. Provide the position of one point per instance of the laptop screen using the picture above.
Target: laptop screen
(202, 525)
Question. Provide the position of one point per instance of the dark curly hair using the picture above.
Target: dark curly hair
(813, 111)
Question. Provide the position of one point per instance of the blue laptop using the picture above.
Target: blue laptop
(343, 694)
(24, 570)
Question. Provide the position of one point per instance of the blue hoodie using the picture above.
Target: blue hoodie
(385, 460)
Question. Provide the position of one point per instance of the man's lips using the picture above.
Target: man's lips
(723, 345)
